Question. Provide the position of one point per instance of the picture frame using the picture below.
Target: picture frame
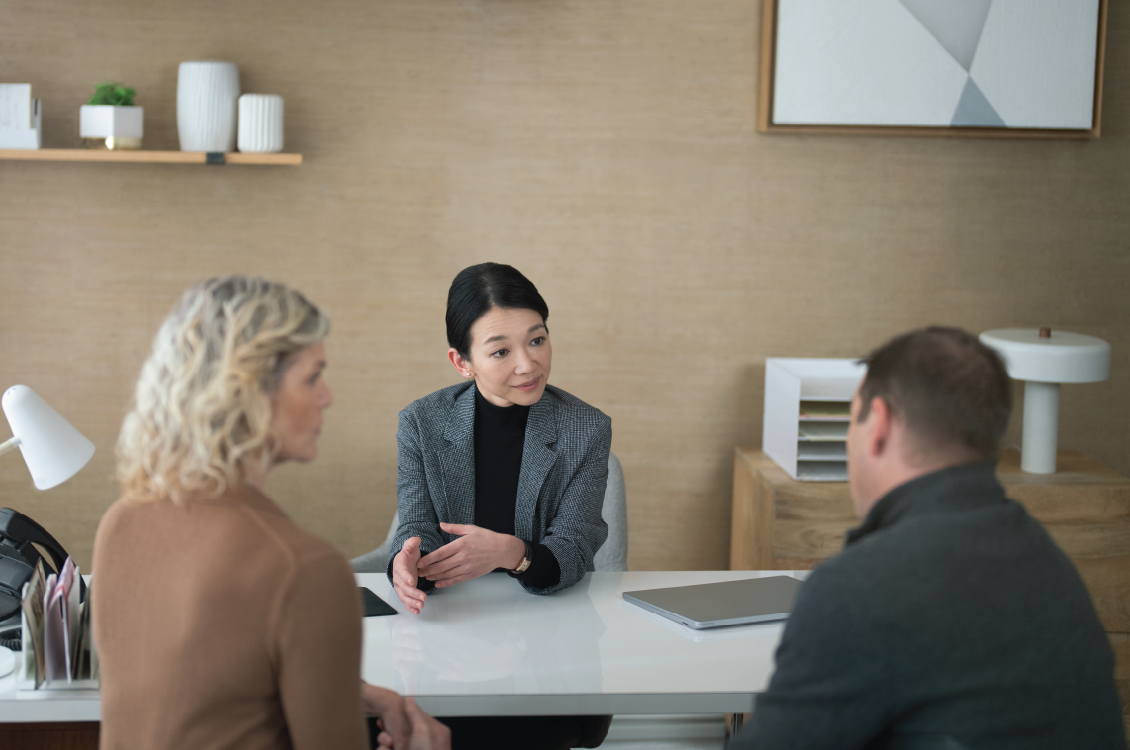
(903, 67)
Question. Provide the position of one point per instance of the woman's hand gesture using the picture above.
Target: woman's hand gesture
(477, 552)
(404, 576)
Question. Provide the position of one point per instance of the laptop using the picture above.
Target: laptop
(714, 605)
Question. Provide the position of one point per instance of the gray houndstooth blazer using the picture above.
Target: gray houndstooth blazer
(560, 487)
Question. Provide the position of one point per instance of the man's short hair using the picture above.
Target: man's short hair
(950, 390)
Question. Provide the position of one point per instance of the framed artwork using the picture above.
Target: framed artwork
(995, 68)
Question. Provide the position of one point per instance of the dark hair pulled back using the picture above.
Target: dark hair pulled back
(478, 289)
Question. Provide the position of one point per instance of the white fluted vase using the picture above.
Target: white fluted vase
(207, 93)
(260, 123)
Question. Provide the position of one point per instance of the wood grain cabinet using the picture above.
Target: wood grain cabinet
(782, 524)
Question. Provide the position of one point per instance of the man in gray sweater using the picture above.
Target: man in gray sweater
(951, 619)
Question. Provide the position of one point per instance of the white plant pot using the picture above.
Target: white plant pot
(107, 126)
(260, 123)
(207, 92)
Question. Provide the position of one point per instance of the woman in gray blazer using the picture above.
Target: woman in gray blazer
(501, 472)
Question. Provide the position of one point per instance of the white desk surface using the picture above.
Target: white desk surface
(486, 647)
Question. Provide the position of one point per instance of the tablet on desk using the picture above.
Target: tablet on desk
(713, 605)
(372, 605)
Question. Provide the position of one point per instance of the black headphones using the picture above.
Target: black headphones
(19, 555)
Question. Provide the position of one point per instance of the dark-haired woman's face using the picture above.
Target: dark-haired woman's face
(510, 356)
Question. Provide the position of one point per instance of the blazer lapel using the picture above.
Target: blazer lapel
(457, 458)
(537, 459)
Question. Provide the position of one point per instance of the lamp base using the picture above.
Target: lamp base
(1041, 427)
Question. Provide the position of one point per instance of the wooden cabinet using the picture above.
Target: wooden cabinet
(782, 524)
(50, 735)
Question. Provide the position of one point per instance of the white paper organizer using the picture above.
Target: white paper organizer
(25, 667)
(25, 673)
(807, 413)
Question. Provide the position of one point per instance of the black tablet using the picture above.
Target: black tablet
(373, 605)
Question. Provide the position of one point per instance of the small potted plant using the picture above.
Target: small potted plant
(109, 119)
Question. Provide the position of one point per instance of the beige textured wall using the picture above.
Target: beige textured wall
(604, 147)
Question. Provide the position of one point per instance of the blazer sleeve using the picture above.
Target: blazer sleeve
(413, 499)
(577, 529)
(319, 657)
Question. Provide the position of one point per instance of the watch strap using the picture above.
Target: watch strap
(529, 558)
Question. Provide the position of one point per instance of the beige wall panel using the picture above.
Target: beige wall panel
(606, 149)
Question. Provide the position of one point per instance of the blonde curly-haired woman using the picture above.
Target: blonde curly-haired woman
(220, 623)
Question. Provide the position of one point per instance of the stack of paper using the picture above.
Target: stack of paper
(58, 649)
(19, 117)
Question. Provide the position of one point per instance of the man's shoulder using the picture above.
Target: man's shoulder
(847, 577)
(921, 562)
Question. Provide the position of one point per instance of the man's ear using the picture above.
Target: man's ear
(461, 363)
(880, 422)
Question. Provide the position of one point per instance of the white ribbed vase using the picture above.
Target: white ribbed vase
(260, 123)
(207, 92)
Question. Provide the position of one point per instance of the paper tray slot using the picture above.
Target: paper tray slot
(825, 410)
(822, 471)
(822, 431)
(822, 451)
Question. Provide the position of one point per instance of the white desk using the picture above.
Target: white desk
(487, 647)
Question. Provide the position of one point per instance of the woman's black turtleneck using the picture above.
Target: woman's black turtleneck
(500, 434)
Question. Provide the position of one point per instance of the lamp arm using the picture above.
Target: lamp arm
(9, 445)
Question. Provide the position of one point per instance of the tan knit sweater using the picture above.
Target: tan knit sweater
(221, 624)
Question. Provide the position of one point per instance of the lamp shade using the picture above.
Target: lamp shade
(1058, 357)
(53, 450)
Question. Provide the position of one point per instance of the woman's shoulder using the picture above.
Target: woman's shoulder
(439, 402)
(572, 409)
(124, 513)
(242, 513)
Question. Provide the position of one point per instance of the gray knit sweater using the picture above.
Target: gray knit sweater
(950, 620)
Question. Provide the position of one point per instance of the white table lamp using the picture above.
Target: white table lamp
(53, 450)
(1044, 359)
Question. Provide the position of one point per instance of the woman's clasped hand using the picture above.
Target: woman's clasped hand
(475, 553)
(402, 723)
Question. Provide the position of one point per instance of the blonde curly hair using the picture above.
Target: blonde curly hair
(201, 412)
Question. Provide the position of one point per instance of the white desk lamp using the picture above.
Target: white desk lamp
(1044, 359)
(53, 450)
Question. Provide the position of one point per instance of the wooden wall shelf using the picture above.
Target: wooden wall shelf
(149, 157)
